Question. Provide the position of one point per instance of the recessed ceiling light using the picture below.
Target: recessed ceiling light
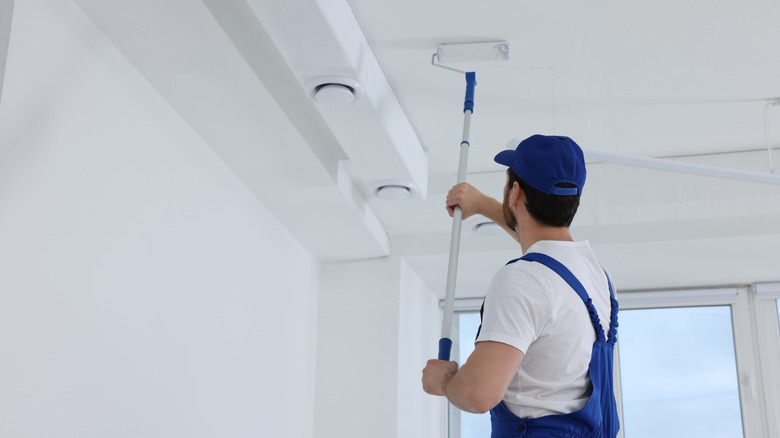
(334, 95)
(487, 228)
(393, 193)
(393, 190)
(334, 91)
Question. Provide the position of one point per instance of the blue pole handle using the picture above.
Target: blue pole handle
(445, 346)
(471, 82)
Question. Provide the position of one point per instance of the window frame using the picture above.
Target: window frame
(764, 313)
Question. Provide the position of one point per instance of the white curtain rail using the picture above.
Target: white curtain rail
(681, 167)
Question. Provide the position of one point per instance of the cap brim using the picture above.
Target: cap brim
(505, 157)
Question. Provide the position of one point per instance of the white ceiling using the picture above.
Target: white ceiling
(683, 80)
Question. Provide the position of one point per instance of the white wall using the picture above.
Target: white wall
(378, 325)
(143, 290)
(357, 350)
(419, 414)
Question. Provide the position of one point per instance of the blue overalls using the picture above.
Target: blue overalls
(598, 418)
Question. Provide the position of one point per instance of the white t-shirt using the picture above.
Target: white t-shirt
(531, 308)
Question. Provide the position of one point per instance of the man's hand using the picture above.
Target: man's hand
(469, 199)
(436, 375)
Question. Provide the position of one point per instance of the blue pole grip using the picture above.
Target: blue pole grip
(445, 346)
(471, 82)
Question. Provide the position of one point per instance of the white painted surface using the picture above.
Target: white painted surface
(419, 414)
(378, 324)
(143, 289)
(357, 350)
(222, 73)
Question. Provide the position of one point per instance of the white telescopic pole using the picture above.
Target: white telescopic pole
(445, 343)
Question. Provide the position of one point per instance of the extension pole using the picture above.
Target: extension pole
(445, 343)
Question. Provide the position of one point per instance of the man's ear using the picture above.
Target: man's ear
(516, 195)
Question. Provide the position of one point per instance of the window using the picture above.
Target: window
(465, 424)
(692, 363)
(678, 373)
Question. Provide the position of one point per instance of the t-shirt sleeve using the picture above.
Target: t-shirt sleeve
(516, 309)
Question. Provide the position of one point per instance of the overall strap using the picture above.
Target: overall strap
(575, 284)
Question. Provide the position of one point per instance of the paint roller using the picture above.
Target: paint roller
(456, 54)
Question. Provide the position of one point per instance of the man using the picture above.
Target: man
(542, 362)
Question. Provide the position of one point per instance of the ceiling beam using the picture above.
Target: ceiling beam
(323, 42)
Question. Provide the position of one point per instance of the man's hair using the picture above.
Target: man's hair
(547, 209)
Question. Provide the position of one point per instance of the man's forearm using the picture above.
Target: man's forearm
(480, 384)
(465, 392)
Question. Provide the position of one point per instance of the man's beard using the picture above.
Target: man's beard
(509, 216)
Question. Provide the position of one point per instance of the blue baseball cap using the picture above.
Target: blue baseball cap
(544, 161)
